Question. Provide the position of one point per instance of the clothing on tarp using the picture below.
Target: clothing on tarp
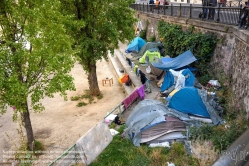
(149, 57)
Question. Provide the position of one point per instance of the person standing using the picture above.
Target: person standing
(205, 3)
(244, 15)
(151, 2)
(161, 4)
(213, 3)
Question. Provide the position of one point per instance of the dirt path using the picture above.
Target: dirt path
(62, 123)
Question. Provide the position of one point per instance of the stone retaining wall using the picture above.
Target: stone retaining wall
(231, 57)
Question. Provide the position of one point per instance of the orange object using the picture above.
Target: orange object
(124, 78)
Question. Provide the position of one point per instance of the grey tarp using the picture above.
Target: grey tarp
(153, 46)
(211, 106)
(144, 113)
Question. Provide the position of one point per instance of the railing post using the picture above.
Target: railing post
(240, 13)
(171, 10)
(164, 9)
(147, 7)
(180, 14)
(158, 7)
(218, 18)
(190, 12)
(143, 7)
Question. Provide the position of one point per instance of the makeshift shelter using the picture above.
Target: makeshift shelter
(181, 78)
(182, 60)
(152, 47)
(145, 118)
(150, 57)
(187, 100)
(195, 102)
(135, 45)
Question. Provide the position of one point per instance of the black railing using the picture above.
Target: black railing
(219, 14)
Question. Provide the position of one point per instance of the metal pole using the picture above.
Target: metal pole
(171, 10)
(218, 18)
(180, 9)
(190, 12)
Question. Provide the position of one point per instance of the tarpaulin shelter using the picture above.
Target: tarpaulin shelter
(135, 45)
(181, 60)
(146, 115)
(195, 102)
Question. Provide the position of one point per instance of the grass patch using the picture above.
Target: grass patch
(100, 96)
(121, 152)
(75, 98)
(86, 97)
(80, 104)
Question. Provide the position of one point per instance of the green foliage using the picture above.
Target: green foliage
(121, 151)
(80, 104)
(177, 41)
(100, 96)
(103, 24)
(152, 38)
(35, 55)
(143, 33)
(75, 98)
(220, 136)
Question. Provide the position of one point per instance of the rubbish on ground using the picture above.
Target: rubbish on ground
(170, 164)
(214, 82)
(113, 132)
(163, 144)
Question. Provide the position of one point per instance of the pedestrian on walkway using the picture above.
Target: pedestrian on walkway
(161, 4)
(205, 3)
(151, 4)
(213, 3)
(244, 15)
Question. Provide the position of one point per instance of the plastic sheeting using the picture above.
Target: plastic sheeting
(175, 63)
(135, 45)
(143, 114)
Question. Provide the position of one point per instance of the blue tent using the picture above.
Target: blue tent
(135, 45)
(175, 63)
(188, 100)
(169, 79)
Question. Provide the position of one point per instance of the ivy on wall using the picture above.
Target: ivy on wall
(176, 41)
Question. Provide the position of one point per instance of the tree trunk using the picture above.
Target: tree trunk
(93, 81)
(28, 127)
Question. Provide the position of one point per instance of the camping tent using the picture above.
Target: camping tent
(152, 47)
(188, 100)
(149, 57)
(135, 45)
(175, 63)
(170, 79)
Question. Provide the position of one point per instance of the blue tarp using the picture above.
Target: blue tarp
(169, 79)
(175, 63)
(135, 45)
(188, 100)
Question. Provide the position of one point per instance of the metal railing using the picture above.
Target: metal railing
(224, 15)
